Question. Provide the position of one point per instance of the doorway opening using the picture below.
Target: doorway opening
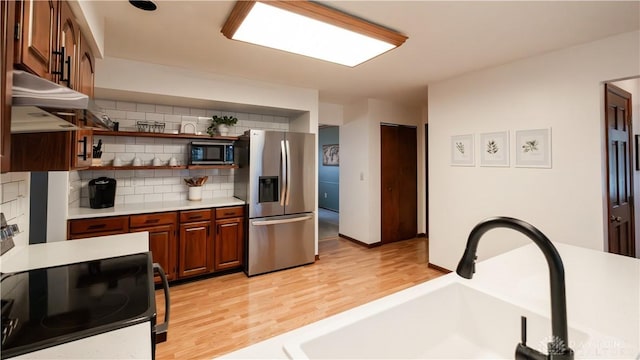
(328, 181)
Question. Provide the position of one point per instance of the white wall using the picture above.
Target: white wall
(633, 86)
(330, 114)
(360, 164)
(562, 90)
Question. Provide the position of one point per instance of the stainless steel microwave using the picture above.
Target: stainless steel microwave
(211, 153)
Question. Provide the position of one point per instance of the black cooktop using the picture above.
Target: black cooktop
(51, 306)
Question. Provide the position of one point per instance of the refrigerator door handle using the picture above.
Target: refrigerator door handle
(281, 221)
(283, 175)
(288, 194)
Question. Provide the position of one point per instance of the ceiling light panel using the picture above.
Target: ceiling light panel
(310, 29)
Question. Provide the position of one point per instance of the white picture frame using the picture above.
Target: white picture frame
(462, 150)
(494, 149)
(533, 148)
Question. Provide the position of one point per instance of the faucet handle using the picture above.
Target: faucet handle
(523, 352)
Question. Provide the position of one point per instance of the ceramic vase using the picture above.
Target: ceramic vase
(195, 193)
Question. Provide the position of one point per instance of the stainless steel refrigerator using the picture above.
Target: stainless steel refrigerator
(276, 178)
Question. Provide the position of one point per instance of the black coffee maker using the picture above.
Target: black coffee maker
(102, 192)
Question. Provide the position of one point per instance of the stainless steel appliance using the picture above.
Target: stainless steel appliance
(211, 153)
(276, 177)
(46, 307)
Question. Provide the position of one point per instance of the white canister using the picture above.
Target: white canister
(195, 193)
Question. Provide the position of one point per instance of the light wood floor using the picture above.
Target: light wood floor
(215, 316)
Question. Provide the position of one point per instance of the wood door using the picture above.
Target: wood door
(195, 249)
(228, 243)
(37, 29)
(162, 243)
(399, 188)
(620, 174)
(7, 21)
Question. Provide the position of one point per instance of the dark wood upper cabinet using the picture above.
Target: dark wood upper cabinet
(7, 22)
(37, 34)
(68, 47)
(86, 69)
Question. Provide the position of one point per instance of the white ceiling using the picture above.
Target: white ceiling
(446, 38)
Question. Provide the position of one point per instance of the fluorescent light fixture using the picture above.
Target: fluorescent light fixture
(310, 29)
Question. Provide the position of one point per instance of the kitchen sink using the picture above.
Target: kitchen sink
(452, 322)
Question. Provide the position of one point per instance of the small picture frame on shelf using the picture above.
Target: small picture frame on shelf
(462, 150)
(494, 149)
(533, 148)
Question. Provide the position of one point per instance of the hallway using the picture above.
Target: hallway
(327, 224)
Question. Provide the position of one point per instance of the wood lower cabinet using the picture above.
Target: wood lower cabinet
(229, 238)
(162, 239)
(228, 243)
(185, 243)
(195, 249)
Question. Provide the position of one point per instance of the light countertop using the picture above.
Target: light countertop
(603, 299)
(151, 207)
(22, 258)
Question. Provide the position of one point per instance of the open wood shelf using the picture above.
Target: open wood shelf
(161, 135)
(179, 167)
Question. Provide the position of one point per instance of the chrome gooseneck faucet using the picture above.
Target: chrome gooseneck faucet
(559, 346)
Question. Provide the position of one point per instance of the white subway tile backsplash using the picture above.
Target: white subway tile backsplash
(163, 109)
(106, 104)
(161, 189)
(153, 181)
(134, 199)
(135, 148)
(154, 148)
(147, 108)
(181, 110)
(124, 105)
(154, 117)
(144, 190)
(135, 115)
(197, 112)
(173, 196)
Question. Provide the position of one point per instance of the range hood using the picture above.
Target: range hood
(37, 102)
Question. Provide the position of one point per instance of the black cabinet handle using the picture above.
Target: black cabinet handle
(84, 148)
(97, 226)
(68, 79)
(151, 221)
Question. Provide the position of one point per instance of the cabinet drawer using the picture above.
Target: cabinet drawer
(223, 213)
(195, 215)
(78, 228)
(145, 220)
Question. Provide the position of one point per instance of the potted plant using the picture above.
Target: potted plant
(221, 124)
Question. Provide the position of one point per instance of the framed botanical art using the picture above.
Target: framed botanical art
(494, 149)
(462, 150)
(533, 148)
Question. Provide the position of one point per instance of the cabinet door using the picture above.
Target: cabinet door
(162, 244)
(195, 249)
(7, 21)
(86, 71)
(37, 29)
(229, 243)
(68, 47)
(82, 150)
